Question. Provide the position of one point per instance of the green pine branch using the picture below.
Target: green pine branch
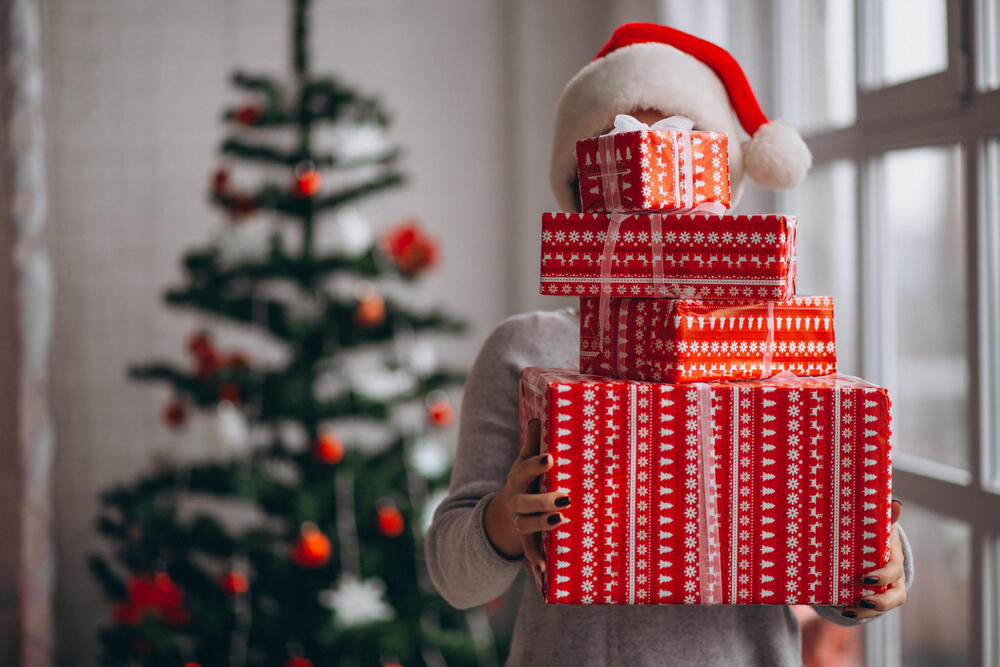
(246, 150)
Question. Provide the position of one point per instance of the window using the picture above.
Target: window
(900, 222)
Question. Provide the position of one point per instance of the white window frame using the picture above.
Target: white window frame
(940, 109)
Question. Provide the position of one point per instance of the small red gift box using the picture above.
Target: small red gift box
(686, 340)
(654, 170)
(703, 257)
(757, 492)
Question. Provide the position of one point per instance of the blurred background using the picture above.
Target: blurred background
(110, 129)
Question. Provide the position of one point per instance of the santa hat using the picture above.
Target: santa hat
(649, 66)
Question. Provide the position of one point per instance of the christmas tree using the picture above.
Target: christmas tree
(301, 544)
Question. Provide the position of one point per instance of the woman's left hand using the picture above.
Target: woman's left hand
(891, 575)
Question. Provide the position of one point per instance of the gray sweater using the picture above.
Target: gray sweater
(468, 570)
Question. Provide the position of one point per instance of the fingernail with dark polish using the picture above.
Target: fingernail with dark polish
(554, 519)
(849, 614)
(871, 581)
(544, 460)
(562, 501)
(867, 604)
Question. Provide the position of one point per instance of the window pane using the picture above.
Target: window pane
(927, 305)
(935, 619)
(826, 239)
(988, 20)
(822, 65)
(913, 41)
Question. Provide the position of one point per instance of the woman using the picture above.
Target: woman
(489, 525)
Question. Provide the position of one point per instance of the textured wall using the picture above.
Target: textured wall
(134, 92)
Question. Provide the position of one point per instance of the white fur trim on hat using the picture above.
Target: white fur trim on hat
(776, 157)
(648, 75)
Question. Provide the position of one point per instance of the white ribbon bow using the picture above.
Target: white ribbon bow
(627, 123)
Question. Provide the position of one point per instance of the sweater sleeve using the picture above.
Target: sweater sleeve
(463, 564)
(833, 614)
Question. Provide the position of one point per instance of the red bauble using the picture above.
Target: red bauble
(230, 391)
(192, 664)
(220, 180)
(329, 448)
(156, 595)
(174, 413)
(312, 549)
(441, 412)
(299, 662)
(233, 583)
(200, 345)
(307, 182)
(248, 114)
(390, 521)
(410, 249)
(370, 312)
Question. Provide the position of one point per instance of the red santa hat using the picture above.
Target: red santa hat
(649, 66)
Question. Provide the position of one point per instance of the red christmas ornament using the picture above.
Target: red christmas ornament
(441, 412)
(220, 180)
(156, 595)
(241, 205)
(410, 249)
(307, 182)
(174, 413)
(299, 662)
(248, 114)
(230, 391)
(233, 583)
(370, 312)
(312, 549)
(192, 664)
(329, 448)
(390, 521)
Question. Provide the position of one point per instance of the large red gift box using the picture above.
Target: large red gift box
(654, 169)
(704, 257)
(757, 492)
(686, 340)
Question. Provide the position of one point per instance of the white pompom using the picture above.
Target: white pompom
(231, 427)
(357, 602)
(776, 157)
(423, 359)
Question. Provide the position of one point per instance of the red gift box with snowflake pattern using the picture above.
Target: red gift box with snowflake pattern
(656, 170)
(702, 257)
(772, 491)
(687, 340)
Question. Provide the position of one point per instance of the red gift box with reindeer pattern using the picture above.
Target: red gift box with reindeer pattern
(772, 491)
(702, 257)
(687, 340)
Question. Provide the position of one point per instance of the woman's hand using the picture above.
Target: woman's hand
(517, 513)
(891, 575)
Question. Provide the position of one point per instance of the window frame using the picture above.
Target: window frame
(941, 109)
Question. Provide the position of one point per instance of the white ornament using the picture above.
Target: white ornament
(423, 357)
(357, 602)
(292, 435)
(429, 457)
(361, 141)
(245, 242)
(349, 234)
(231, 428)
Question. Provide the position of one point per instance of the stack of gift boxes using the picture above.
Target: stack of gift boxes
(710, 450)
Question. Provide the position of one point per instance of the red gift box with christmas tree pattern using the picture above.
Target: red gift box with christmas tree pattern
(687, 340)
(702, 257)
(654, 170)
(772, 491)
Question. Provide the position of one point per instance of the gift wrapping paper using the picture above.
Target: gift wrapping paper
(770, 491)
(687, 340)
(703, 257)
(656, 170)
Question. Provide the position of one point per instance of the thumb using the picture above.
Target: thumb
(897, 509)
(531, 439)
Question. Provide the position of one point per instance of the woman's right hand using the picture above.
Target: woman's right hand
(517, 514)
